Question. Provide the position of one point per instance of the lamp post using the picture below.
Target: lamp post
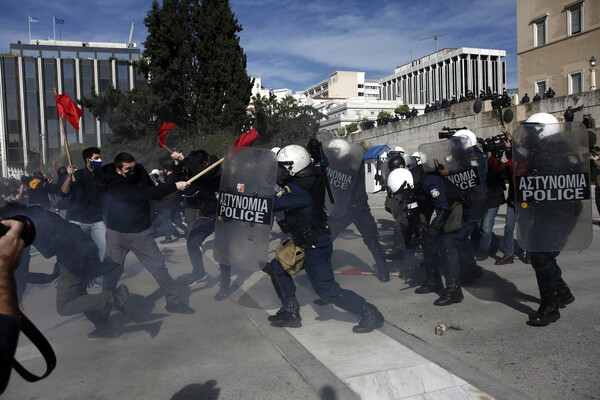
(593, 73)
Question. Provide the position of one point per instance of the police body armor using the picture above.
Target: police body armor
(245, 210)
(552, 187)
(344, 161)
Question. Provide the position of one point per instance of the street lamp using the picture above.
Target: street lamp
(593, 73)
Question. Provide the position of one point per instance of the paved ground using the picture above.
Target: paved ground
(227, 349)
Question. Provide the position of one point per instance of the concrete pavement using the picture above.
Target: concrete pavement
(227, 349)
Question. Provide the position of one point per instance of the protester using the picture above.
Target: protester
(127, 216)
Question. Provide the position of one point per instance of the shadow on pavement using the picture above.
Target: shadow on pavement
(492, 287)
(198, 391)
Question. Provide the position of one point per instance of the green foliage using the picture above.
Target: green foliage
(284, 122)
(384, 114)
(401, 110)
(196, 62)
(353, 127)
(341, 131)
(197, 79)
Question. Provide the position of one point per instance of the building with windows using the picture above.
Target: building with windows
(557, 43)
(445, 74)
(342, 112)
(343, 85)
(29, 77)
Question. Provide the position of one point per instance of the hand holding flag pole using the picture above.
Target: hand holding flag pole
(244, 140)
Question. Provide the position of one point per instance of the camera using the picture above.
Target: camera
(27, 234)
(447, 133)
(495, 144)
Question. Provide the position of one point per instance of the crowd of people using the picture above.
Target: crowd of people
(444, 200)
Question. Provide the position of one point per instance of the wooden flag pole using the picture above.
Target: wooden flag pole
(167, 149)
(64, 134)
(210, 168)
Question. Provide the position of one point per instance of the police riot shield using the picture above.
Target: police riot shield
(456, 154)
(342, 171)
(243, 225)
(552, 186)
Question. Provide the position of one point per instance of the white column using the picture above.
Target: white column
(3, 134)
(22, 110)
(97, 85)
(42, 108)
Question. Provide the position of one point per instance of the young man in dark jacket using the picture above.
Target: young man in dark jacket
(129, 190)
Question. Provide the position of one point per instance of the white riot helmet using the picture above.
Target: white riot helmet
(399, 150)
(399, 179)
(472, 139)
(293, 158)
(340, 147)
(545, 124)
(417, 157)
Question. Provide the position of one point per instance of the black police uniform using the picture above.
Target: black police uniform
(303, 202)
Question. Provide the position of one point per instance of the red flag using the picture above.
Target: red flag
(66, 107)
(246, 138)
(162, 132)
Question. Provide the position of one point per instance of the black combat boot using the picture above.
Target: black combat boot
(287, 316)
(383, 271)
(224, 282)
(563, 294)
(547, 313)
(433, 282)
(452, 294)
(371, 319)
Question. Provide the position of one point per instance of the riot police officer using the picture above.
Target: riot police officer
(303, 200)
(541, 149)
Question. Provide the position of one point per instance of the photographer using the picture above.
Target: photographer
(11, 249)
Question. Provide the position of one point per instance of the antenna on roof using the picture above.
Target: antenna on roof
(131, 33)
(435, 38)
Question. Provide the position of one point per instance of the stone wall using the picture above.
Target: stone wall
(412, 132)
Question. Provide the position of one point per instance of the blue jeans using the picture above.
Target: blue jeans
(509, 232)
(487, 226)
(98, 232)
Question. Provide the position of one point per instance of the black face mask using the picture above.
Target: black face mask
(283, 176)
(133, 174)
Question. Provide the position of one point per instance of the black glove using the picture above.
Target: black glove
(437, 224)
(379, 179)
(314, 149)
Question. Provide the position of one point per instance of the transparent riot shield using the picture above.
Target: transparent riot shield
(344, 166)
(553, 204)
(243, 226)
(456, 154)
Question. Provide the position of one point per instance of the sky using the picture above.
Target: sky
(295, 44)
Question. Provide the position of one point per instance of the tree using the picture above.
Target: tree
(401, 110)
(383, 118)
(284, 122)
(197, 64)
(352, 127)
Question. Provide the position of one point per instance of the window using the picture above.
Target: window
(539, 31)
(575, 81)
(574, 18)
(540, 88)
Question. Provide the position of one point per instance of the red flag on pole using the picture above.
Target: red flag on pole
(66, 107)
(246, 138)
(162, 132)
